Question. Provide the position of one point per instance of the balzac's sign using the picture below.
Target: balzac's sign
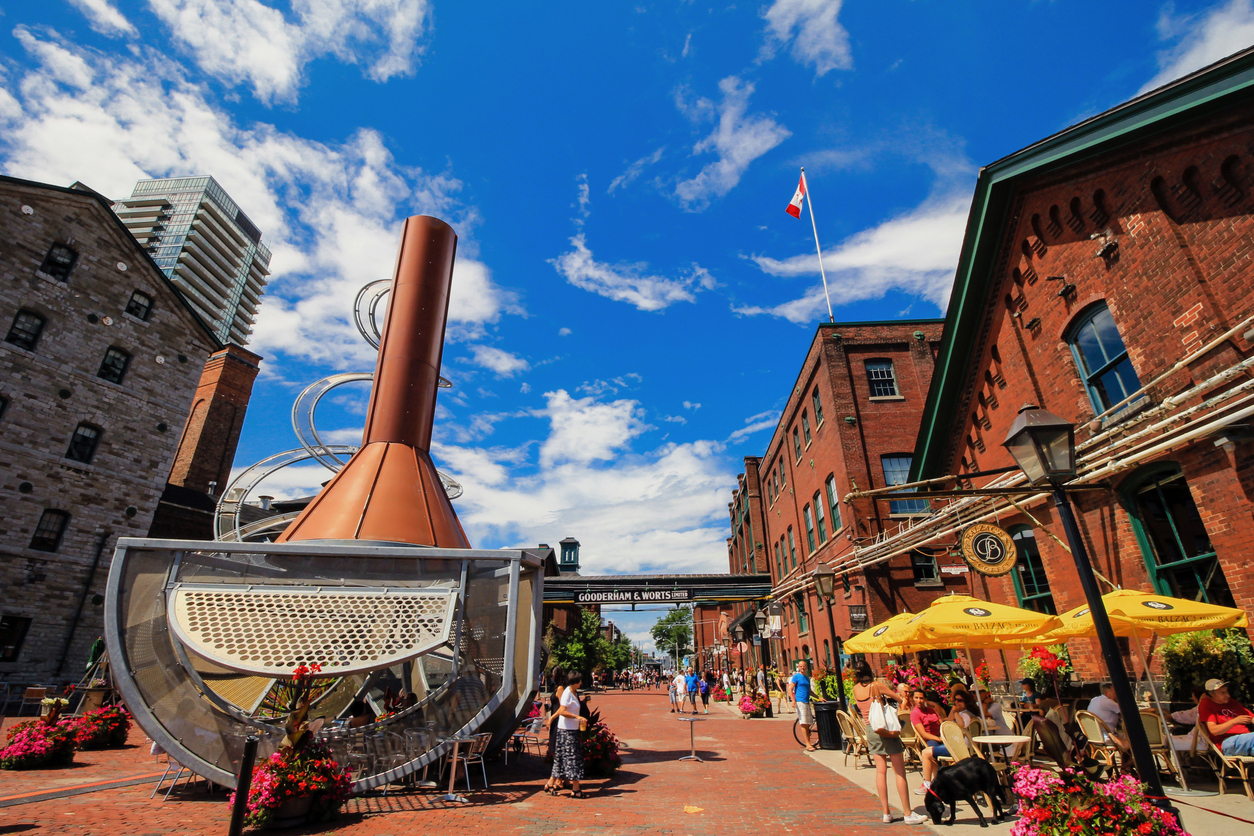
(634, 596)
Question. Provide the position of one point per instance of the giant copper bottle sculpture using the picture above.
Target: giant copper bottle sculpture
(389, 491)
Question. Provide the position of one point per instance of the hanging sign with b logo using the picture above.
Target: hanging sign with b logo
(988, 549)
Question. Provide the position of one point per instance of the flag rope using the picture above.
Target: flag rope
(810, 204)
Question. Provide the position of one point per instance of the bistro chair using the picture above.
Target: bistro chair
(526, 737)
(1098, 733)
(958, 744)
(910, 739)
(861, 731)
(848, 736)
(1227, 766)
(33, 697)
(976, 728)
(474, 755)
(1159, 742)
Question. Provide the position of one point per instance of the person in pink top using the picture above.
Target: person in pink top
(884, 748)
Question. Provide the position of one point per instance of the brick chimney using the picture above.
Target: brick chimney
(207, 448)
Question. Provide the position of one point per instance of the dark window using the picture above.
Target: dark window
(792, 549)
(819, 521)
(897, 472)
(13, 631)
(809, 518)
(879, 374)
(802, 625)
(58, 262)
(818, 408)
(140, 305)
(805, 427)
(1102, 359)
(779, 569)
(83, 443)
(1173, 537)
(113, 368)
(923, 563)
(833, 502)
(783, 475)
(1031, 582)
(796, 442)
(49, 530)
(4, 404)
(25, 330)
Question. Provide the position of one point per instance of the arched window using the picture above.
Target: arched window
(83, 443)
(1102, 359)
(833, 503)
(1031, 582)
(1173, 537)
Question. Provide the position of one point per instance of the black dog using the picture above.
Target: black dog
(961, 782)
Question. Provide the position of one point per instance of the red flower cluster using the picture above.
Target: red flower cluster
(309, 771)
(1050, 662)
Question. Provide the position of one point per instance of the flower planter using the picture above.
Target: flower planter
(93, 698)
(292, 813)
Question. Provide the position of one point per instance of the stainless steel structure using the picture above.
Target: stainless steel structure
(477, 675)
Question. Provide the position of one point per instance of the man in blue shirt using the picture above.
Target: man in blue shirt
(799, 691)
(693, 683)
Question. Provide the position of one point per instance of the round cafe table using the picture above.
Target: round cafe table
(692, 740)
(1000, 739)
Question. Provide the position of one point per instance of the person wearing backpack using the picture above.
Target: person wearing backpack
(883, 745)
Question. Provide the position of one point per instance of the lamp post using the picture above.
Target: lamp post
(825, 583)
(739, 635)
(1043, 445)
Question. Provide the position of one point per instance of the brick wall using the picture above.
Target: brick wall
(53, 388)
(1161, 235)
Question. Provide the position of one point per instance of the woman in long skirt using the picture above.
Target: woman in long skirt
(555, 699)
(568, 752)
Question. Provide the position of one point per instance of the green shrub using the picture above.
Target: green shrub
(1192, 658)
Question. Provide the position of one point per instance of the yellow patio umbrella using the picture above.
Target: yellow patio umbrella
(1134, 613)
(964, 621)
(875, 640)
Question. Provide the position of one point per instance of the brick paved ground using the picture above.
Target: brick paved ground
(755, 780)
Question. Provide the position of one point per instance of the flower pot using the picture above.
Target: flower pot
(292, 813)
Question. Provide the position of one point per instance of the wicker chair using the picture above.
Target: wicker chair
(910, 739)
(1159, 742)
(860, 733)
(1099, 735)
(1227, 766)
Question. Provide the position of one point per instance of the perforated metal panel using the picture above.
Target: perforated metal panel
(268, 632)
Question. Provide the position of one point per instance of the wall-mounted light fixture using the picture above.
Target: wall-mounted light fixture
(850, 420)
(1067, 287)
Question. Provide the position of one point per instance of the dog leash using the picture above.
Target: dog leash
(1194, 806)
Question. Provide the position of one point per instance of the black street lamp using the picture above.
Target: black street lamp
(825, 583)
(739, 635)
(1043, 445)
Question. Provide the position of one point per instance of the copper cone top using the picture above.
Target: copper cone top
(389, 490)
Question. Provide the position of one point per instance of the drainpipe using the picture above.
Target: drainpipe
(103, 537)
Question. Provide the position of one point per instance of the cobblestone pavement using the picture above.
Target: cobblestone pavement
(755, 780)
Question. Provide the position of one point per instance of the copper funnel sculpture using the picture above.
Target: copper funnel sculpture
(389, 490)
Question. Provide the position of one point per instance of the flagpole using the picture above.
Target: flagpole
(814, 226)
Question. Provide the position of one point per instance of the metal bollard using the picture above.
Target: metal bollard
(243, 783)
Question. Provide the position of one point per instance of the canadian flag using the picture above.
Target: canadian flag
(794, 207)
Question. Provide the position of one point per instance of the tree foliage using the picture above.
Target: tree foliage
(586, 649)
(672, 634)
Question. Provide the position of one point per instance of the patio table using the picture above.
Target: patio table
(692, 740)
(457, 742)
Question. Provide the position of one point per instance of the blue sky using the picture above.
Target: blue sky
(631, 301)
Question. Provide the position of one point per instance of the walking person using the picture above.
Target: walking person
(883, 748)
(799, 693)
(555, 703)
(680, 684)
(693, 683)
(704, 686)
(568, 759)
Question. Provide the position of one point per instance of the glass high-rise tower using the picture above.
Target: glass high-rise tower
(207, 246)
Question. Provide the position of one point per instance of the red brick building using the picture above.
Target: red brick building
(1106, 277)
(850, 424)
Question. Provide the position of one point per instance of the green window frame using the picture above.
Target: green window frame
(1102, 359)
(818, 407)
(819, 522)
(1172, 535)
(833, 503)
(809, 519)
(1030, 580)
(803, 624)
(805, 427)
(792, 549)
(796, 442)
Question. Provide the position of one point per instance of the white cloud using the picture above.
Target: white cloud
(498, 360)
(818, 39)
(675, 419)
(248, 42)
(627, 282)
(584, 198)
(329, 211)
(104, 18)
(563, 332)
(525, 388)
(635, 170)
(738, 139)
(691, 405)
(584, 430)
(755, 423)
(597, 388)
(1201, 39)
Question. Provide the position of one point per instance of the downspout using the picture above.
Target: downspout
(103, 534)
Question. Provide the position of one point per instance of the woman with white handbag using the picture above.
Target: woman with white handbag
(879, 709)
